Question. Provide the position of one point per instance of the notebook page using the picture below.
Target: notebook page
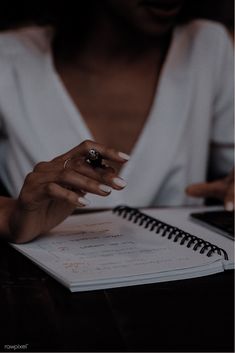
(180, 217)
(101, 247)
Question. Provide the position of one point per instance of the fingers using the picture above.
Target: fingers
(70, 182)
(76, 182)
(57, 192)
(229, 198)
(79, 175)
(221, 189)
(40, 187)
(107, 153)
(69, 178)
(76, 161)
(102, 186)
(106, 175)
(215, 189)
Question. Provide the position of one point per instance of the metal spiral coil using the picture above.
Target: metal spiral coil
(175, 234)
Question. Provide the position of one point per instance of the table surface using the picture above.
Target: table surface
(184, 316)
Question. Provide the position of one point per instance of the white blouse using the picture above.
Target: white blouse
(192, 111)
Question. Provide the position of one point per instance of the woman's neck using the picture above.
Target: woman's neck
(106, 43)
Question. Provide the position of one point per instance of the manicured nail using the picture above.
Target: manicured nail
(119, 182)
(105, 188)
(229, 206)
(83, 201)
(124, 156)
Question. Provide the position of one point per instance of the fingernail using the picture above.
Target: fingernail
(124, 156)
(83, 201)
(119, 182)
(105, 188)
(229, 206)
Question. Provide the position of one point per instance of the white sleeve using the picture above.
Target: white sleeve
(222, 134)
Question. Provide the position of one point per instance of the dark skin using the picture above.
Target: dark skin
(123, 55)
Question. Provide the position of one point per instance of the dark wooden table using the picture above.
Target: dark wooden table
(184, 316)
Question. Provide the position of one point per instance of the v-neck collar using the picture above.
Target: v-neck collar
(166, 99)
(77, 117)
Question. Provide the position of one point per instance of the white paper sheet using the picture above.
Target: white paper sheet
(103, 250)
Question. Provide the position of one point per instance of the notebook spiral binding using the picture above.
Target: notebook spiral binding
(165, 230)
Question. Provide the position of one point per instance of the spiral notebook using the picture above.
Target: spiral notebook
(127, 247)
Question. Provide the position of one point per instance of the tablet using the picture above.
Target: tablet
(220, 221)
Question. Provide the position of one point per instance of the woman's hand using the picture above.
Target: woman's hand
(222, 189)
(54, 189)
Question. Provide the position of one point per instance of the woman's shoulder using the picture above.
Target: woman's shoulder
(203, 43)
(203, 26)
(24, 41)
(23, 48)
(205, 33)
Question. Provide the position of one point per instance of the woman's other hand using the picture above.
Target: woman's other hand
(222, 189)
(54, 189)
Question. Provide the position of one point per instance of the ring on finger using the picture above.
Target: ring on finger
(66, 163)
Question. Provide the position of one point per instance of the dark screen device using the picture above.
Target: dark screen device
(220, 221)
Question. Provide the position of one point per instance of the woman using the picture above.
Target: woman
(122, 73)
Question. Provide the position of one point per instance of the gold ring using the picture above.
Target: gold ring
(66, 163)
